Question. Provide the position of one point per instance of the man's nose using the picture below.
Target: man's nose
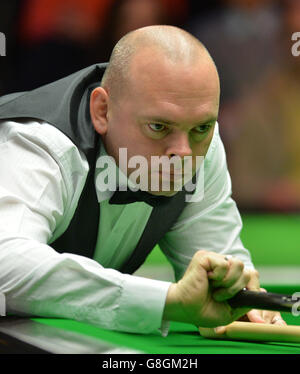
(179, 145)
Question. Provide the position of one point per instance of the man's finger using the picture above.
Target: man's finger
(255, 316)
(265, 316)
(253, 284)
(224, 293)
(235, 271)
(215, 264)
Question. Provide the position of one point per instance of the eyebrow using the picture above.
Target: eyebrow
(172, 123)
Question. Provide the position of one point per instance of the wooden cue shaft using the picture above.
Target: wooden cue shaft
(262, 332)
(255, 332)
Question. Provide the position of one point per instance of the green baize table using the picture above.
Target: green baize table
(60, 336)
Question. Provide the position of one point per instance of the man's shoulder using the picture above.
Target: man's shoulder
(41, 137)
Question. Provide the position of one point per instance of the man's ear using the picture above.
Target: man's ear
(98, 109)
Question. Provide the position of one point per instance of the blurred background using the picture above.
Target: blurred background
(250, 41)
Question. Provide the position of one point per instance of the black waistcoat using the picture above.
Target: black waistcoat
(65, 105)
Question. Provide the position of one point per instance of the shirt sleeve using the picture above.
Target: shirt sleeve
(41, 177)
(212, 224)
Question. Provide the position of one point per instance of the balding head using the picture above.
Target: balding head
(174, 44)
(159, 97)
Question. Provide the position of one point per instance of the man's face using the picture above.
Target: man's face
(168, 109)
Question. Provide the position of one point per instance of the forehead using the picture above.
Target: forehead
(176, 87)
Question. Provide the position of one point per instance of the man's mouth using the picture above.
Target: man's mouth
(173, 175)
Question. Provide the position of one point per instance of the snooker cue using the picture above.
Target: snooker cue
(263, 332)
(264, 300)
(250, 331)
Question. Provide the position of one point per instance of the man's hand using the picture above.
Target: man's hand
(255, 315)
(200, 296)
(261, 316)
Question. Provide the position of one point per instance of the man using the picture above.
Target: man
(159, 96)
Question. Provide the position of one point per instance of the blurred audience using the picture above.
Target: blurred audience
(9, 16)
(241, 37)
(58, 37)
(128, 15)
(261, 127)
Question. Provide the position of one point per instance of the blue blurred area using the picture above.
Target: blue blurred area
(250, 41)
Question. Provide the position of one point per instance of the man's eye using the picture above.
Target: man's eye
(157, 127)
(202, 129)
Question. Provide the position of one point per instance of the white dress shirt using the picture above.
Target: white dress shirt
(42, 174)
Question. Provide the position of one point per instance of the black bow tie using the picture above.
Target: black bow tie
(128, 197)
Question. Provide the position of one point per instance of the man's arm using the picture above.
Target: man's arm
(41, 177)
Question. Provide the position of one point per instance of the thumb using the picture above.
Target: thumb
(220, 330)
